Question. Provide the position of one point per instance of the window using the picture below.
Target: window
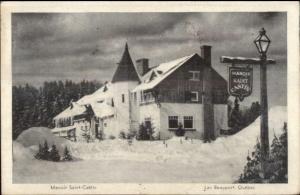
(148, 122)
(112, 102)
(141, 94)
(188, 122)
(194, 75)
(123, 98)
(147, 97)
(134, 96)
(173, 122)
(194, 96)
(105, 124)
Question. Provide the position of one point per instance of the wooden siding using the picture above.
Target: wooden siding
(175, 87)
(220, 93)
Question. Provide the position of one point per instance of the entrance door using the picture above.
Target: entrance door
(97, 129)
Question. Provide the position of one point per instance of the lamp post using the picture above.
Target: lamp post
(262, 43)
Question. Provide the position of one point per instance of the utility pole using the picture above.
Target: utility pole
(264, 129)
(262, 43)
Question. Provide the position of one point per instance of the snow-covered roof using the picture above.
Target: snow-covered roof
(69, 112)
(98, 96)
(102, 110)
(162, 71)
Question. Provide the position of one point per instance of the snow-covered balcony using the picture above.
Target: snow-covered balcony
(63, 131)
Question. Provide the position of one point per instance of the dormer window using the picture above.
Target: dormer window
(194, 75)
(153, 76)
(147, 97)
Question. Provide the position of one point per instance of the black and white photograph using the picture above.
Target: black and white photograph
(150, 97)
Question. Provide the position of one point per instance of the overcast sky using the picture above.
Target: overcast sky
(88, 45)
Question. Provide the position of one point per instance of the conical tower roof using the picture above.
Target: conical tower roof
(125, 70)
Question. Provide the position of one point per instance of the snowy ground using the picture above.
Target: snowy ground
(221, 161)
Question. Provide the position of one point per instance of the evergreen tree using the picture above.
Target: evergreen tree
(39, 155)
(142, 132)
(235, 117)
(37, 107)
(238, 120)
(54, 155)
(122, 135)
(45, 151)
(180, 131)
(145, 132)
(276, 168)
(252, 170)
(67, 156)
(279, 158)
(150, 131)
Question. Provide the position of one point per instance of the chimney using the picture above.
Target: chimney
(206, 54)
(208, 106)
(142, 66)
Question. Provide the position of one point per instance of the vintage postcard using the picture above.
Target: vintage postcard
(150, 98)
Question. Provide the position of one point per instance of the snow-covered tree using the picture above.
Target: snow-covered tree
(122, 135)
(45, 151)
(142, 132)
(276, 166)
(37, 106)
(67, 156)
(39, 155)
(279, 158)
(235, 119)
(54, 155)
(252, 170)
(145, 132)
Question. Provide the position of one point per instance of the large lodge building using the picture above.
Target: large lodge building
(186, 90)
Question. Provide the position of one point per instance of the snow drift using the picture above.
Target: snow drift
(20, 153)
(226, 154)
(221, 161)
(32, 137)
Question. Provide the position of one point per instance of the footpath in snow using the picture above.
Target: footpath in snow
(175, 160)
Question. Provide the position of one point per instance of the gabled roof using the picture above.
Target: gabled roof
(162, 71)
(102, 110)
(98, 97)
(125, 70)
(69, 112)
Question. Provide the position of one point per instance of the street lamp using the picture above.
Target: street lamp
(262, 43)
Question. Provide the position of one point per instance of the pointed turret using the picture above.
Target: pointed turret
(125, 70)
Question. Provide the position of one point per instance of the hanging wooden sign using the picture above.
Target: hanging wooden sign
(240, 82)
